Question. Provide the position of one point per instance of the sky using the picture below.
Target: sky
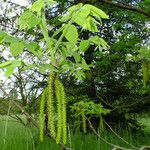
(21, 2)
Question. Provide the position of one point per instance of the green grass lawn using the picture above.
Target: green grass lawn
(15, 136)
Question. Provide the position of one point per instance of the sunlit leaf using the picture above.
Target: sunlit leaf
(96, 11)
(46, 67)
(17, 63)
(71, 33)
(34, 48)
(5, 64)
(37, 6)
(28, 20)
(2, 36)
(84, 45)
(75, 7)
(16, 48)
(100, 42)
(9, 71)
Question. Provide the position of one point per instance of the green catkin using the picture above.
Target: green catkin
(83, 122)
(50, 105)
(41, 117)
(101, 124)
(64, 124)
(145, 70)
(59, 110)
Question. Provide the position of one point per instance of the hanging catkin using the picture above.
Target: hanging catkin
(83, 121)
(55, 90)
(64, 126)
(146, 74)
(41, 117)
(50, 105)
(59, 110)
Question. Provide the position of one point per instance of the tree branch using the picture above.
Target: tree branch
(126, 6)
(104, 140)
(119, 136)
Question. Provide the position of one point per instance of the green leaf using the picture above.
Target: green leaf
(100, 42)
(90, 24)
(9, 71)
(9, 39)
(28, 20)
(87, 23)
(57, 32)
(16, 48)
(35, 49)
(50, 2)
(71, 33)
(84, 65)
(5, 64)
(11, 65)
(2, 36)
(74, 8)
(77, 57)
(17, 63)
(80, 75)
(65, 18)
(80, 16)
(27, 67)
(37, 6)
(96, 11)
(65, 66)
(46, 67)
(84, 45)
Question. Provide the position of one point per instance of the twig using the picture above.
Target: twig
(17, 118)
(94, 131)
(119, 136)
(127, 7)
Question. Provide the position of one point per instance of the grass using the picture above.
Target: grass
(16, 136)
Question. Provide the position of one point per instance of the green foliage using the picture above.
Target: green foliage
(37, 7)
(9, 71)
(144, 53)
(5, 64)
(144, 57)
(41, 116)
(81, 14)
(84, 45)
(10, 66)
(16, 48)
(146, 72)
(90, 108)
(34, 48)
(86, 108)
(2, 36)
(101, 44)
(58, 59)
(28, 20)
(71, 33)
(96, 12)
